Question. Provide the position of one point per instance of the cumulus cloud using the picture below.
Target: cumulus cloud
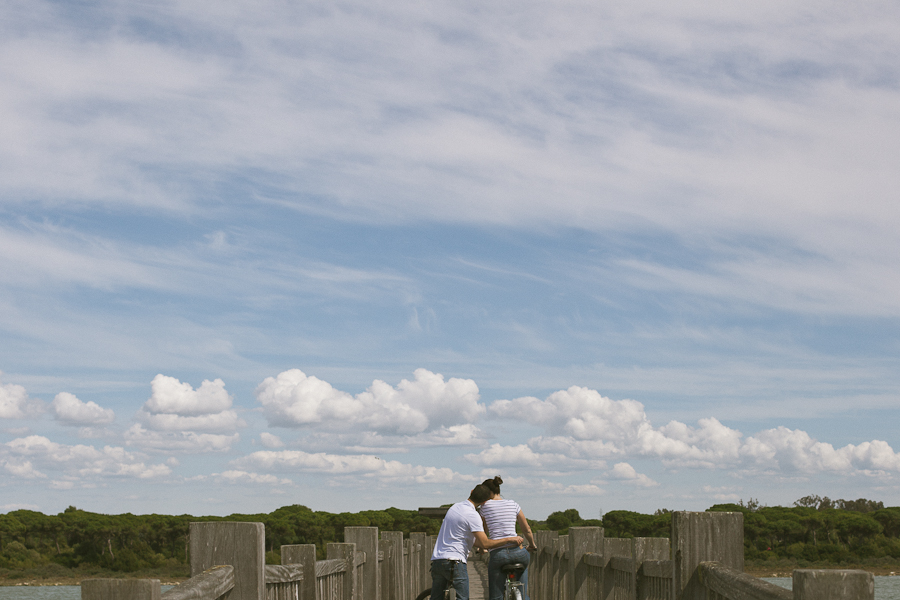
(581, 425)
(580, 413)
(366, 465)
(22, 457)
(70, 410)
(523, 455)
(625, 472)
(235, 476)
(372, 442)
(294, 399)
(177, 417)
(15, 403)
(270, 441)
(189, 442)
(580, 489)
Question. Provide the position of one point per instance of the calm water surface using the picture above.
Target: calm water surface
(886, 588)
(46, 592)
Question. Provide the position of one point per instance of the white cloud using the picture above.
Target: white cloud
(14, 402)
(522, 455)
(580, 413)
(189, 442)
(270, 441)
(555, 487)
(359, 464)
(201, 419)
(625, 472)
(293, 399)
(84, 462)
(69, 409)
(235, 476)
(170, 396)
(795, 451)
(584, 426)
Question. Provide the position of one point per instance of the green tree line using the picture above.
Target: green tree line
(814, 530)
(81, 541)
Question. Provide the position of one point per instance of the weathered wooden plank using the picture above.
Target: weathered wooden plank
(346, 553)
(582, 542)
(283, 573)
(594, 560)
(833, 584)
(657, 568)
(213, 583)
(304, 556)
(366, 540)
(324, 568)
(736, 585)
(241, 545)
(119, 589)
(621, 563)
(700, 537)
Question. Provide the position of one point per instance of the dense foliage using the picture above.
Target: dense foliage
(77, 539)
(814, 530)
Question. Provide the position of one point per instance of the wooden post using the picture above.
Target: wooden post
(833, 584)
(581, 541)
(420, 562)
(699, 537)
(612, 547)
(241, 545)
(643, 548)
(563, 593)
(120, 589)
(553, 578)
(392, 573)
(305, 555)
(344, 552)
(430, 543)
(366, 540)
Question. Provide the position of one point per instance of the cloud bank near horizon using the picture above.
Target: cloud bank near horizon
(579, 431)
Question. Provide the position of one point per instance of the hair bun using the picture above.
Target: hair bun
(497, 480)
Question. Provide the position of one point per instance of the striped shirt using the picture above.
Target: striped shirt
(500, 518)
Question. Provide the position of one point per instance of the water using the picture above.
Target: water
(886, 588)
(46, 592)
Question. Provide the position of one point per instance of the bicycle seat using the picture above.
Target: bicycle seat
(512, 568)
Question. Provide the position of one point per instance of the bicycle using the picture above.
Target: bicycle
(449, 592)
(514, 589)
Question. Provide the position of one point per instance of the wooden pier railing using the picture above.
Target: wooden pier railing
(703, 560)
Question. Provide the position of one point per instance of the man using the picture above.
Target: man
(462, 528)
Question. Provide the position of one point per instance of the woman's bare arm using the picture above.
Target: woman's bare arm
(522, 522)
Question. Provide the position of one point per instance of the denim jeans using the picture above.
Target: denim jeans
(496, 577)
(441, 573)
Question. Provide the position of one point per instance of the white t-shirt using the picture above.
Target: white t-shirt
(457, 534)
(500, 517)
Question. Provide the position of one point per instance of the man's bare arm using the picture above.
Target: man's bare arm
(483, 541)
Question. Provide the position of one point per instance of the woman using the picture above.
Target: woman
(500, 518)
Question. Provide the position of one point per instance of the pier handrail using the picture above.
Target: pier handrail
(703, 560)
(213, 583)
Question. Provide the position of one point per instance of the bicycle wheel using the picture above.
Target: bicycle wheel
(425, 595)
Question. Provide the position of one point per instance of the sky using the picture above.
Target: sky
(355, 255)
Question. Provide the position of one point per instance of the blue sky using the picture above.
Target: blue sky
(358, 255)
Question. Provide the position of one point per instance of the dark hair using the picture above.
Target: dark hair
(493, 484)
(480, 494)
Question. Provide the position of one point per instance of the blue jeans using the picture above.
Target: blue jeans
(454, 571)
(496, 577)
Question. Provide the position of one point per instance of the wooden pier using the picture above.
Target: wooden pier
(702, 560)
